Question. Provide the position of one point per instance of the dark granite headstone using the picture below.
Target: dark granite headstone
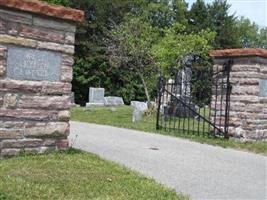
(181, 107)
(183, 82)
(32, 64)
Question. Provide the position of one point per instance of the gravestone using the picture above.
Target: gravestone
(138, 105)
(113, 101)
(183, 82)
(137, 116)
(72, 98)
(181, 89)
(96, 97)
(112, 109)
(176, 108)
(181, 93)
(36, 58)
(139, 109)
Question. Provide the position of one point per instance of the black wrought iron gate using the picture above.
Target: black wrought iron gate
(195, 101)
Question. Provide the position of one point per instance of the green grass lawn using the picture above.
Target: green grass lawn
(75, 175)
(122, 117)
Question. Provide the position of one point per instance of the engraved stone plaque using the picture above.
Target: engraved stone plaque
(263, 88)
(32, 64)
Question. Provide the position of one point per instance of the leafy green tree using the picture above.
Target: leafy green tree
(199, 17)
(164, 13)
(147, 34)
(130, 46)
(223, 24)
(140, 29)
(263, 38)
(91, 51)
(230, 31)
(250, 35)
(176, 44)
(215, 17)
(92, 67)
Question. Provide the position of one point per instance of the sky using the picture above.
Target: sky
(255, 10)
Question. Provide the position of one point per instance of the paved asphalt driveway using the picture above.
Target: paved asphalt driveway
(199, 170)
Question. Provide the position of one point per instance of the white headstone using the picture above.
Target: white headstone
(72, 98)
(113, 101)
(96, 97)
(137, 115)
(139, 109)
(138, 105)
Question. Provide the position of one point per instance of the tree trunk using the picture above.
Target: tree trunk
(146, 89)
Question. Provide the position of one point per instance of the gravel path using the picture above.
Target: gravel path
(198, 170)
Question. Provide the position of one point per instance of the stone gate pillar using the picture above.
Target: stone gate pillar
(248, 100)
(36, 57)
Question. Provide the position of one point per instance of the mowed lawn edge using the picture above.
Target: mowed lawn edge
(121, 117)
(75, 175)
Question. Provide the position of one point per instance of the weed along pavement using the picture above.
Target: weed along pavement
(198, 170)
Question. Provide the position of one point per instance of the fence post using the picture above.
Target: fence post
(160, 87)
(227, 100)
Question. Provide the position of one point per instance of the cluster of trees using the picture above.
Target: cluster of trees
(123, 45)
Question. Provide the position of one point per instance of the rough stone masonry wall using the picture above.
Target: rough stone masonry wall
(34, 115)
(248, 111)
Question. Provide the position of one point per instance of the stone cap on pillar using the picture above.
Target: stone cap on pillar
(230, 53)
(43, 8)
